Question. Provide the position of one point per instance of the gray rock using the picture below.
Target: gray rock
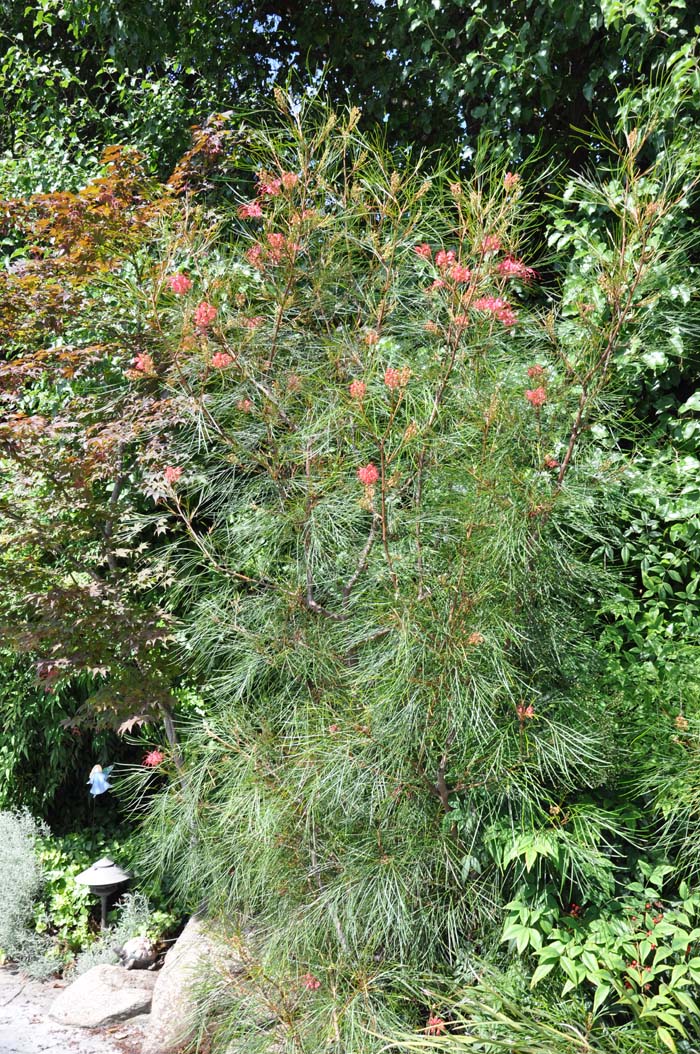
(195, 953)
(102, 996)
(139, 953)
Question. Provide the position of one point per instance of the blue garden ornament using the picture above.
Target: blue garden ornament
(99, 782)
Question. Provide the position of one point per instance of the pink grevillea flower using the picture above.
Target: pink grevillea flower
(511, 181)
(397, 378)
(461, 320)
(334, 729)
(551, 462)
(251, 211)
(172, 474)
(204, 314)
(445, 258)
(435, 1026)
(458, 273)
(368, 474)
(289, 180)
(490, 303)
(475, 638)
(144, 363)
(507, 316)
(293, 382)
(535, 372)
(252, 323)
(358, 390)
(525, 713)
(268, 186)
(491, 244)
(310, 982)
(536, 397)
(371, 337)
(439, 283)
(245, 405)
(512, 268)
(153, 759)
(456, 190)
(253, 255)
(179, 283)
(423, 250)
(221, 360)
(276, 240)
(497, 306)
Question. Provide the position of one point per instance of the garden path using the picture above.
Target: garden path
(26, 1028)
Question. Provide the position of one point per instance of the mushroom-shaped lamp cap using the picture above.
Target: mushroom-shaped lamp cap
(103, 874)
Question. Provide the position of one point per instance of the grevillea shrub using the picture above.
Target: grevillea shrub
(349, 447)
(387, 463)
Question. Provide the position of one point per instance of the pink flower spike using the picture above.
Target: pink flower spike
(371, 337)
(491, 244)
(507, 316)
(221, 360)
(525, 713)
(289, 180)
(445, 258)
(153, 759)
(460, 274)
(179, 283)
(490, 303)
(245, 405)
(311, 983)
(512, 268)
(535, 372)
(251, 211)
(358, 390)
(172, 474)
(204, 315)
(144, 363)
(439, 283)
(368, 475)
(253, 255)
(536, 397)
(511, 180)
(397, 378)
(423, 250)
(435, 1026)
(252, 323)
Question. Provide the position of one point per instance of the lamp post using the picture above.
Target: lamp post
(104, 878)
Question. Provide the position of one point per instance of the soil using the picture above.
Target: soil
(26, 1028)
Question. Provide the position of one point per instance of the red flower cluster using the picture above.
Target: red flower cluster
(458, 273)
(397, 378)
(204, 315)
(250, 211)
(221, 360)
(179, 283)
(368, 474)
(498, 307)
(512, 268)
(436, 1026)
(536, 397)
(144, 363)
(535, 372)
(252, 323)
(310, 982)
(172, 474)
(245, 405)
(423, 250)
(445, 258)
(153, 759)
(511, 181)
(491, 244)
(358, 390)
(525, 713)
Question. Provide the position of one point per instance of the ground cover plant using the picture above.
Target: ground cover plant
(361, 458)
